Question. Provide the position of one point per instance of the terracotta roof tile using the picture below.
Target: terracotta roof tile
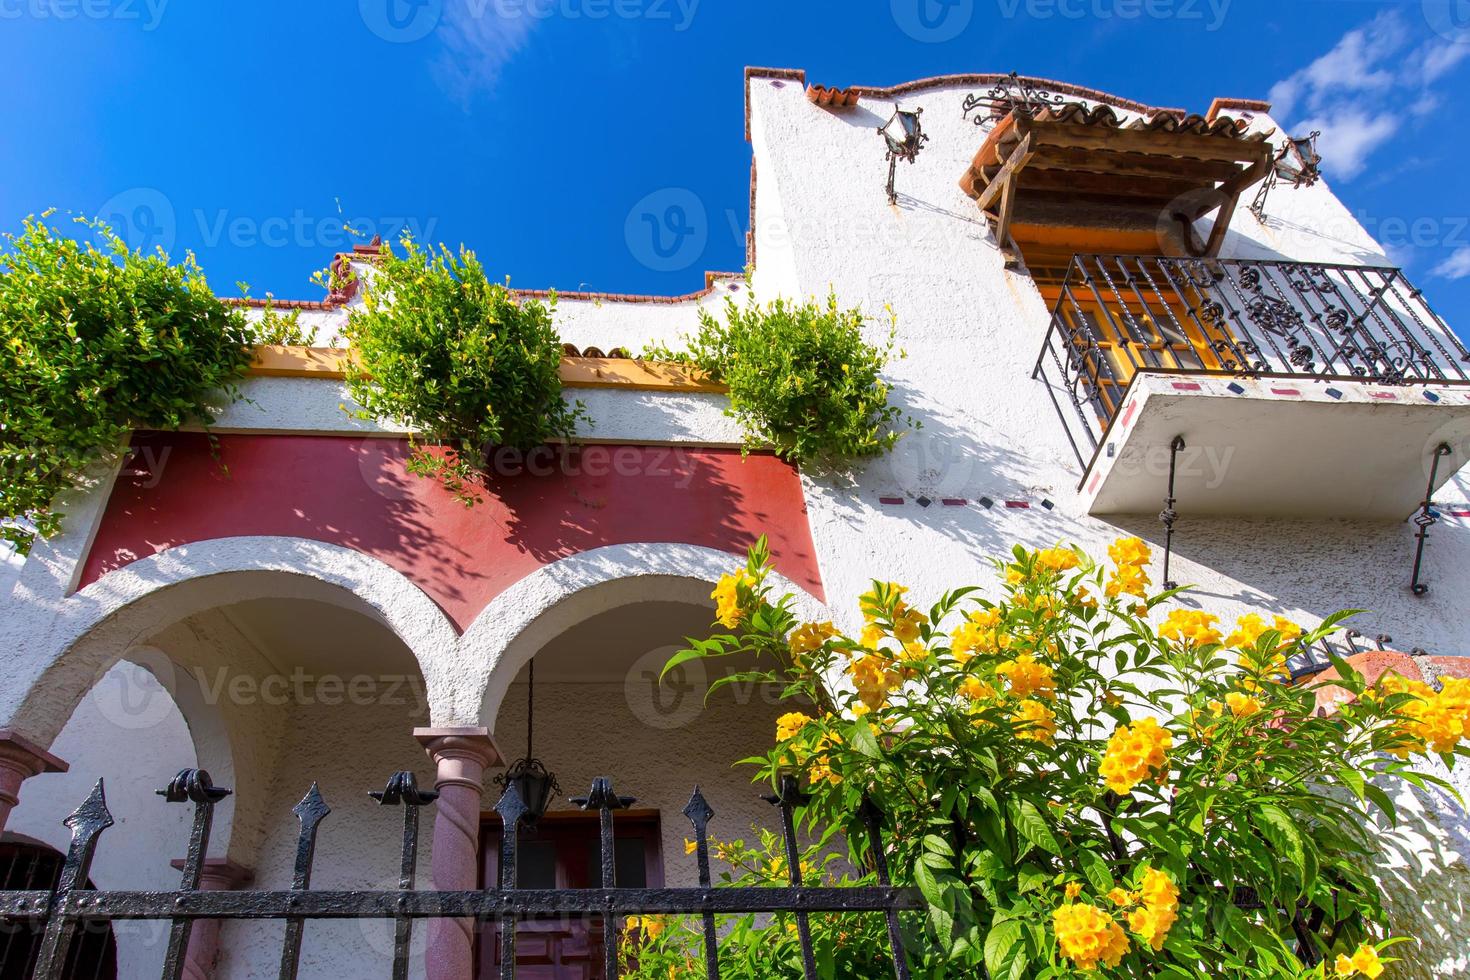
(832, 98)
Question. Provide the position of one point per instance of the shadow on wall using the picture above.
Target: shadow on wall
(955, 469)
(1318, 568)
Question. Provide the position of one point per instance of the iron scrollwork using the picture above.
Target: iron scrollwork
(1014, 94)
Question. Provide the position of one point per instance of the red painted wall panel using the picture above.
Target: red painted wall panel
(356, 493)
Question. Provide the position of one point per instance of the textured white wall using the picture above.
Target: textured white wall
(971, 330)
(128, 733)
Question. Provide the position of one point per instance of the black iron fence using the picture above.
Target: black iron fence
(57, 915)
(1115, 316)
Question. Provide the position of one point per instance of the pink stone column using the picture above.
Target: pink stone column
(217, 875)
(20, 759)
(461, 756)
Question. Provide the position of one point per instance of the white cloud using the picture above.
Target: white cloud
(478, 40)
(1457, 266)
(1358, 92)
(1349, 137)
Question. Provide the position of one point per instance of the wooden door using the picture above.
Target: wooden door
(563, 852)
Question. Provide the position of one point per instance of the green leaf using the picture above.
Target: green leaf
(1095, 870)
(1032, 826)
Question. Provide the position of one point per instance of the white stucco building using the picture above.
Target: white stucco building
(319, 615)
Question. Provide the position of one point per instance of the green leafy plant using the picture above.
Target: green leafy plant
(764, 947)
(461, 360)
(97, 340)
(274, 327)
(802, 378)
(1073, 787)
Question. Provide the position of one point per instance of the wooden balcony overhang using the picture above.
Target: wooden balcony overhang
(1164, 164)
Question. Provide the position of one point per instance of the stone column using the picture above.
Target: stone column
(461, 756)
(20, 759)
(217, 875)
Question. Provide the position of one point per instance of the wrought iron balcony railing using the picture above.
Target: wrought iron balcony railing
(1115, 316)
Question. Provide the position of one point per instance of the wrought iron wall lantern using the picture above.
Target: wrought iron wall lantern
(533, 782)
(904, 136)
(1297, 162)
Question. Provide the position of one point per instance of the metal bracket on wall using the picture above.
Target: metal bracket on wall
(1426, 518)
(1169, 515)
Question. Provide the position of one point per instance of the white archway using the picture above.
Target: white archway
(517, 623)
(63, 643)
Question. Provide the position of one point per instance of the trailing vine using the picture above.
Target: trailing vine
(97, 339)
(462, 361)
(803, 379)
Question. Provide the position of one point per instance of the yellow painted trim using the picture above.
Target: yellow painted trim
(330, 363)
(623, 372)
(277, 361)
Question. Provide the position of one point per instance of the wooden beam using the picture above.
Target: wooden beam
(1018, 159)
(1131, 164)
(1153, 143)
(1232, 190)
(1158, 188)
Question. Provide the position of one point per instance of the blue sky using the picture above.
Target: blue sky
(531, 129)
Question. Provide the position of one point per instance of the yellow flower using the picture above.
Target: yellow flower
(1027, 677)
(976, 690)
(1120, 898)
(1074, 888)
(1038, 722)
(727, 597)
(1015, 575)
(1242, 705)
(1087, 935)
(1135, 752)
(1128, 580)
(1159, 909)
(809, 637)
(1364, 961)
(1248, 630)
(821, 765)
(1129, 551)
(979, 633)
(873, 680)
(689, 846)
(906, 623)
(1057, 559)
(788, 726)
(1190, 626)
(871, 636)
(1429, 719)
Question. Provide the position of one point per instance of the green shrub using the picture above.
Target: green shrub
(802, 379)
(462, 361)
(94, 342)
(1080, 785)
(762, 947)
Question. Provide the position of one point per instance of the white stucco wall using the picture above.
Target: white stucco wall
(106, 738)
(971, 330)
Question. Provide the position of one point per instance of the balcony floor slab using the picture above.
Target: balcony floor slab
(1278, 447)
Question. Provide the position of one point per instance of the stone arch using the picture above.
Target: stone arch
(512, 628)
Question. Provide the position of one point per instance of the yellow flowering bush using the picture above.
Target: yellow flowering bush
(1082, 776)
(671, 947)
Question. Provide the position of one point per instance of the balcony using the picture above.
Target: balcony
(1256, 388)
